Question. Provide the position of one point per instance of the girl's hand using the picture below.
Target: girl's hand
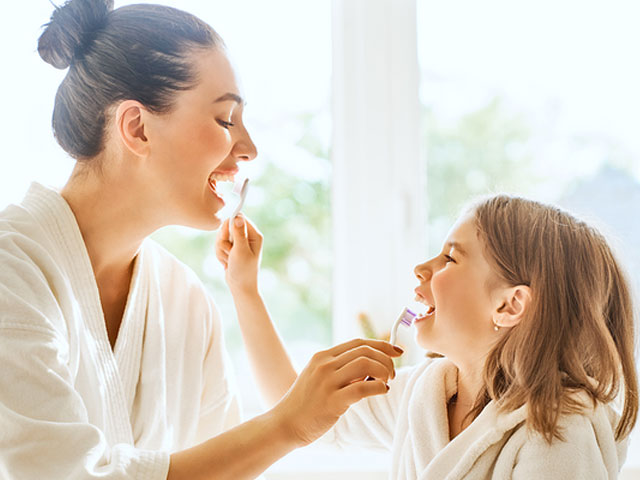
(241, 258)
(331, 382)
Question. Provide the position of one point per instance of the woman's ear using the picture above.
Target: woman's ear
(513, 303)
(130, 127)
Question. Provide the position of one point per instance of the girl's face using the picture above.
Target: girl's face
(458, 287)
(199, 142)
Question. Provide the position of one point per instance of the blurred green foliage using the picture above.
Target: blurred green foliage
(481, 152)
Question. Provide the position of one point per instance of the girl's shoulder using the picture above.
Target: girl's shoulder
(587, 447)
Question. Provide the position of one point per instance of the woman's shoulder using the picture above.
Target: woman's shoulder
(30, 275)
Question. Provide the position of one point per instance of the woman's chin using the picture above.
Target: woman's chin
(212, 224)
(208, 223)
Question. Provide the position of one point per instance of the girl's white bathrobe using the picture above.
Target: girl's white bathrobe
(70, 406)
(411, 420)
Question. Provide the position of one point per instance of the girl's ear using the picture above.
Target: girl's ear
(130, 127)
(514, 302)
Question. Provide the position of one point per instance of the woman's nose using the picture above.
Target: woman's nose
(244, 149)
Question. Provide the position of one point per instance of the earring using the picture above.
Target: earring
(496, 327)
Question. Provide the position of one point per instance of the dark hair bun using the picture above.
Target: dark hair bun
(71, 27)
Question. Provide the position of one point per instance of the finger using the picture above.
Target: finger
(359, 390)
(223, 232)
(384, 347)
(253, 234)
(365, 351)
(222, 257)
(224, 246)
(239, 227)
(359, 369)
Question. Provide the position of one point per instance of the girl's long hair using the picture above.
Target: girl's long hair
(578, 332)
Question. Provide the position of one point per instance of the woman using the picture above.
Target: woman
(112, 355)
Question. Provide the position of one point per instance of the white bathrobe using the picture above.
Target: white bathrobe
(411, 420)
(70, 406)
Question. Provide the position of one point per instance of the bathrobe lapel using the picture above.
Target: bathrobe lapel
(150, 404)
(60, 225)
(128, 348)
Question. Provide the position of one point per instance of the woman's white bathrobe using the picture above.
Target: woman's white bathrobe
(70, 406)
(411, 420)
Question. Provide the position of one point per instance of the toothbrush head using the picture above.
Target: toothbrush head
(406, 319)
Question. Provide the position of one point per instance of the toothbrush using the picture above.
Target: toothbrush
(242, 191)
(406, 319)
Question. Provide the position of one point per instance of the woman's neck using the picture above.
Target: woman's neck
(110, 218)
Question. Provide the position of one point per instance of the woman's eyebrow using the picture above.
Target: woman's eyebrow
(230, 96)
(456, 246)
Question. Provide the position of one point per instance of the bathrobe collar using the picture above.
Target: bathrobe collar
(120, 367)
(443, 458)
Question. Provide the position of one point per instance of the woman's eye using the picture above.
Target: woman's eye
(449, 258)
(225, 124)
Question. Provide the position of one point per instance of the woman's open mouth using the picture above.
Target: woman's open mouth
(216, 177)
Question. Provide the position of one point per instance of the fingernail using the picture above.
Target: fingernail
(398, 349)
(239, 221)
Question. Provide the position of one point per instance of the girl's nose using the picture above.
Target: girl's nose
(422, 272)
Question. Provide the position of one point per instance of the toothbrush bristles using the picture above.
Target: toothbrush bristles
(407, 317)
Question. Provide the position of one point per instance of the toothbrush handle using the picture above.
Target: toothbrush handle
(394, 331)
(236, 211)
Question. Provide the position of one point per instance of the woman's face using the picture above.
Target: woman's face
(199, 142)
(457, 287)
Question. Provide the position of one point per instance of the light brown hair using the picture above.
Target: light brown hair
(578, 332)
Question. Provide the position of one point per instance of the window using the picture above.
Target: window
(539, 99)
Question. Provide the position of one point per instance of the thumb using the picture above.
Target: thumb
(239, 231)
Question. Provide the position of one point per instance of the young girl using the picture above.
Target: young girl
(532, 319)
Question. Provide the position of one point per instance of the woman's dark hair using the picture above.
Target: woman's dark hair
(137, 52)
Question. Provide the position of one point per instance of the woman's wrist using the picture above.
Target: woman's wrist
(245, 292)
(283, 427)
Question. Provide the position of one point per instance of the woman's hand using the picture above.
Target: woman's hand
(241, 258)
(332, 381)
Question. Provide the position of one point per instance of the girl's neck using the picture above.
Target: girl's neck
(470, 384)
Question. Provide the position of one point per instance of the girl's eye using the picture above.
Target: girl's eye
(449, 258)
(225, 124)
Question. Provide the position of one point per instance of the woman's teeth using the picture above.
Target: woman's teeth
(221, 177)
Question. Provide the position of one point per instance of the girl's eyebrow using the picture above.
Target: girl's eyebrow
(456, 246)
